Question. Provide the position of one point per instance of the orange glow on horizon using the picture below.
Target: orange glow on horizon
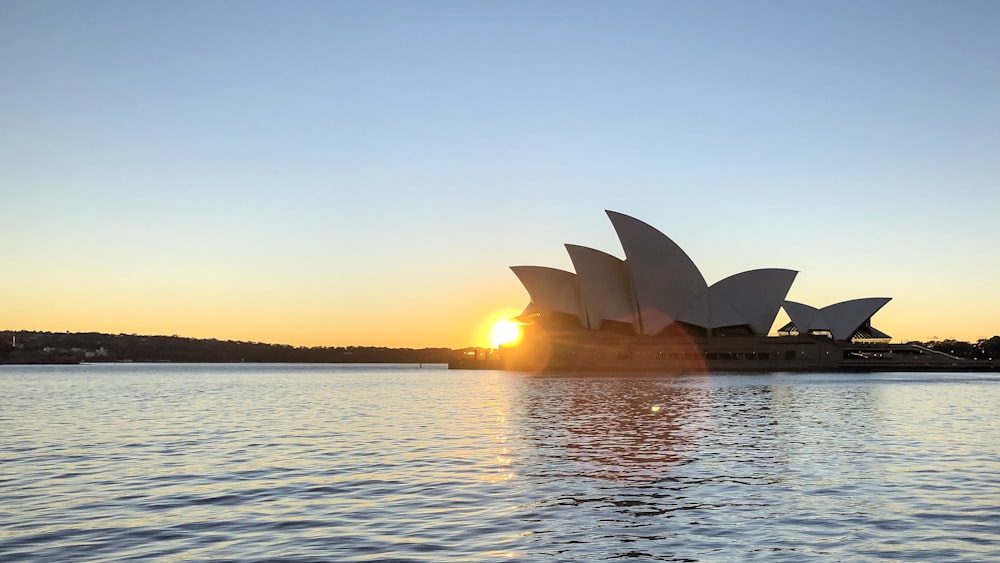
(505, 332)
(296, 315)
(488, 334)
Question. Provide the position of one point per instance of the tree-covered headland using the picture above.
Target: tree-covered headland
(45, 347)
(982, 349)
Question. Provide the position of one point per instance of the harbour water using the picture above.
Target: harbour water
(402, 463)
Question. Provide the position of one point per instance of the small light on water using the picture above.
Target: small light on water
(656, 408)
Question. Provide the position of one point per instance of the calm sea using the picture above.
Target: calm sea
(398, 463)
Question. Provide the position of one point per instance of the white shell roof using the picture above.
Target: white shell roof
(550, 289)
(605, 292)
(755, 295)
(841, 319)
(658, 284)
(664, 279)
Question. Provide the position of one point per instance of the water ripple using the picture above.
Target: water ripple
(394, 463)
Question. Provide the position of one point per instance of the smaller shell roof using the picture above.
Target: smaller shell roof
(842, 319)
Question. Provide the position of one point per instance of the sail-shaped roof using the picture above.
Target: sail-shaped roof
(665, 281)
(551, 289)
(605, 292)
(842, 319)
(756, 295)
(658, 284)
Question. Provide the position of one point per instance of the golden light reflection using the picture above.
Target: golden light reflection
(634, 429)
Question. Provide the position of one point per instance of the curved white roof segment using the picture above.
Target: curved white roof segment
(841, 319)
(605, 292)
(665, 281)
(696, 311)
(802, 316)
(845, 317)
(550, 289)
(755, 295)
(750, 298)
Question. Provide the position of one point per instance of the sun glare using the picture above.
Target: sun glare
(505, 332)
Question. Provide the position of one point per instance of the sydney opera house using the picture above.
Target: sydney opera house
(654, 311)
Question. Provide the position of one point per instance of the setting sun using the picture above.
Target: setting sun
(505, 332)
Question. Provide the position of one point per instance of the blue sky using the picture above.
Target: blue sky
(364, 172)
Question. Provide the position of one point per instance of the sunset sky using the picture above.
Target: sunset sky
(363, 173)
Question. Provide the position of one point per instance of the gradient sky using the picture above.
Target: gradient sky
(363, 173)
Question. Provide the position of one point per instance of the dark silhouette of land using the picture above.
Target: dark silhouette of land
(982, 349)
(31, 347)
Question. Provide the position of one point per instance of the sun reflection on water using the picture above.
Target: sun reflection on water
(614, 427)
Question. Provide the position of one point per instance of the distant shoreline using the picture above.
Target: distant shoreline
(35, 347)
(22, 347)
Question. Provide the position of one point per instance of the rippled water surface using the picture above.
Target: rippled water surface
(382, 463)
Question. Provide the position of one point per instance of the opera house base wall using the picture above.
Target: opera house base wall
(598, 352)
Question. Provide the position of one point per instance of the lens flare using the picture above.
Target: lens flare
(505, 332)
